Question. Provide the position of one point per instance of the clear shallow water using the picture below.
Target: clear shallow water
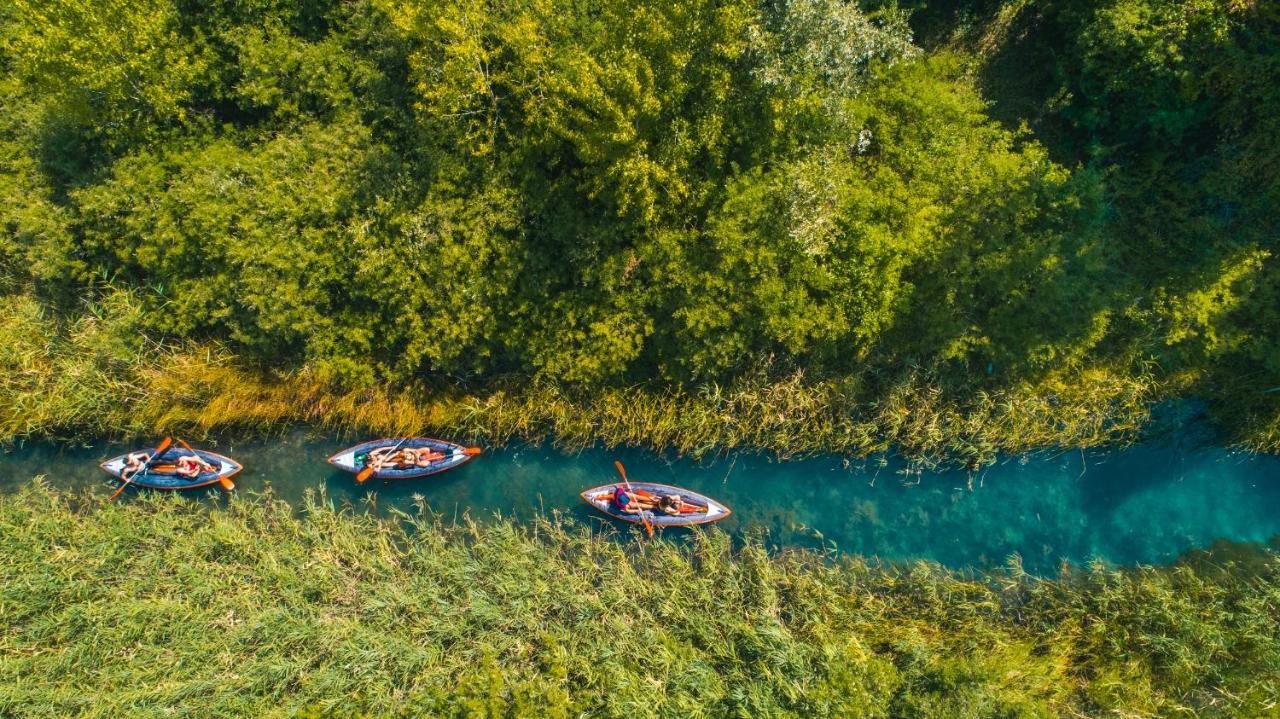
(1148, 504)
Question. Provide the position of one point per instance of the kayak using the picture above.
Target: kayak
(444, 455)
(161, 474)
(698, 509)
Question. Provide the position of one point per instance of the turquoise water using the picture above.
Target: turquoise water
(1147, 504)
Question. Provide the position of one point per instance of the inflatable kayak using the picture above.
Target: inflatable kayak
(161, 474)
(698, 509)
(438, 456)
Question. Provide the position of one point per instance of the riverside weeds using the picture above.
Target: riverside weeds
(164, 605)
(98, 378)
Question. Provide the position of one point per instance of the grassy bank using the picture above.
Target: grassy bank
(96, 376)
(162, 605)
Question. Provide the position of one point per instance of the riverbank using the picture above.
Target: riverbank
(253, 609)
(96, 376)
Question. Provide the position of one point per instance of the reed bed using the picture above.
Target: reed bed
(99, 377)
(165, 606)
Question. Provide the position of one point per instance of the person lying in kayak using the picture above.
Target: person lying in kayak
(630, 502)
(188, 465)
(133, 463)
(192, 466)
(407, 457)
(671, 504)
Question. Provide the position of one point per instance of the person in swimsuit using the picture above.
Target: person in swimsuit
(382, 457)
(424, 456)
(629, 501)
(672, 504)
(192, 466)
(133, 463)
(408, 457)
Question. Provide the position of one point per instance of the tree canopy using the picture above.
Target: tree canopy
(676, 191)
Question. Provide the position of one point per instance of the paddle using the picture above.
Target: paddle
(367, 472)
(648, 526)
(165, 444)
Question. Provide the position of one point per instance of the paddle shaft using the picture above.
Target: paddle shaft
(368, 471)
(648, 525)
(159, 450)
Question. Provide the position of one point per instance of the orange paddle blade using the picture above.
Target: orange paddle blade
(471, 451)
(364, 475)
(227, 484)
(621, 471)
(112, 498)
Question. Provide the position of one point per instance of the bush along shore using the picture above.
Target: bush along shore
(98, 376)
(162, 604)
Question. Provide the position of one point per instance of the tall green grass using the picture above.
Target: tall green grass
(98, 376)
(166, 607)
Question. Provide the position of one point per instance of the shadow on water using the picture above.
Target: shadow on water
(1147, 504)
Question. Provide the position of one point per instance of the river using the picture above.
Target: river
(1146, 504)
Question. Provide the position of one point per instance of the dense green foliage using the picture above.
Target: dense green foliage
(96, 377)
(162, 605)
(673, 192)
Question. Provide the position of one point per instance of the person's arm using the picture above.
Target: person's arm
(132, 464)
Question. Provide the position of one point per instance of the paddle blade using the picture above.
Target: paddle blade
(621, 471)
(227, 484)
(471, 451)
(112, 498)
(165, 444)
(364, 475)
